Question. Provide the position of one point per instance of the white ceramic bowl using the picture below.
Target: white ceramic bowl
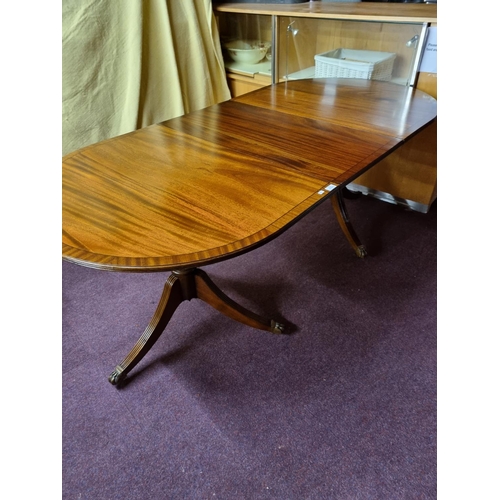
(247, 51)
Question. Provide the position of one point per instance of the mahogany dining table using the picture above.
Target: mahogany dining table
(221, 181)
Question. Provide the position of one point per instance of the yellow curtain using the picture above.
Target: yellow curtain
(132, 63)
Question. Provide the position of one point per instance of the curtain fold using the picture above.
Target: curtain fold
(130, 64)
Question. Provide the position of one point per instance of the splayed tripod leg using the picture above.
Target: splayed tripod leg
(208, 292)
(170, 299)
(346, 226)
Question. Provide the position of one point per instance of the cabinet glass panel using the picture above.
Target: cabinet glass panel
(347, 49)
(246, 41)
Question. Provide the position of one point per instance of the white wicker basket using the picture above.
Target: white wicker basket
(347, 63)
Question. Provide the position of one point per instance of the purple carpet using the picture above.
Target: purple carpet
(342, 408)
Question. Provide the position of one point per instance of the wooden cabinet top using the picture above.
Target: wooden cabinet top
(360, 11)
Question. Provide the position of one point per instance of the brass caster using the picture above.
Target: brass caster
(116, 376)
(361, 251)
(277, 328)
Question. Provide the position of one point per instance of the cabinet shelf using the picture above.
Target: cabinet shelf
(262, 68)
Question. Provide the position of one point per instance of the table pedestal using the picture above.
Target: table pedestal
(186, 285)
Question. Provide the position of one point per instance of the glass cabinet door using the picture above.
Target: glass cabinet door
(246, 41)
(310, 48)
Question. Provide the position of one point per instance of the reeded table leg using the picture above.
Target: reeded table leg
(187, 285)
(170, 299)
(343, 219)
(207, 291)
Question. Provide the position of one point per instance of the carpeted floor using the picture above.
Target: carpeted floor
(342, 408)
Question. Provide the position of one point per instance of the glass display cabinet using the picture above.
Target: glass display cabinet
(265, 44)
(305, 47)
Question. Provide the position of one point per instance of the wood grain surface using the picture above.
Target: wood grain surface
(223, 180)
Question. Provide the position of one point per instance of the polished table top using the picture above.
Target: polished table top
(220, 181)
